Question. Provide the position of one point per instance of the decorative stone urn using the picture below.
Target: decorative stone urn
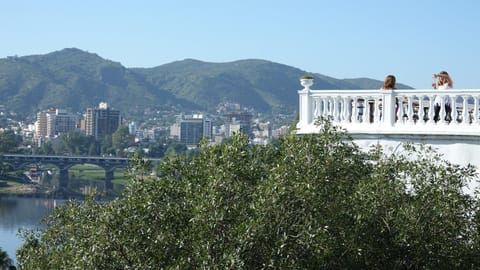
(306, 81)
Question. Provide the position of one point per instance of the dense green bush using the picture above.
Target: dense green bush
(310, 202)
(5, 262)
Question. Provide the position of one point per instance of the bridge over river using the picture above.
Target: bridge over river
(109, 164)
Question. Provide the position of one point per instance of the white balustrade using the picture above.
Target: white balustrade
(391, 111)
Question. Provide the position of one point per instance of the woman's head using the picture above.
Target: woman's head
(389, 82)
(443, 79)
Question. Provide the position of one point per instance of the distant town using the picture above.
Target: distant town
(186, 128)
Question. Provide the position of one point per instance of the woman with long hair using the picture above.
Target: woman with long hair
(389, 83)
(442, 81)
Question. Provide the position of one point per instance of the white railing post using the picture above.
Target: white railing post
(388, 108)
(305, 104)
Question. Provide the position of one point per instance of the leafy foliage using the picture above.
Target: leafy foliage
(5, 261)
(9, 141)
(121, 139)
(77, 143)
(309, 202)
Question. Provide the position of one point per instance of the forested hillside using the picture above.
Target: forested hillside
(74, 80)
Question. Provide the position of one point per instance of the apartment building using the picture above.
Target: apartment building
(102, 121)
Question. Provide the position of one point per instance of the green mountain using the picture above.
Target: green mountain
(74, 79)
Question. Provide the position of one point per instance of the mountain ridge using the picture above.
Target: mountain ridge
(75, 79)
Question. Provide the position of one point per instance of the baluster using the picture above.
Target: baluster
(351, 109)
(348, 109)
(421, 110)
(360, 110)
(453, 106)
(355, 110)
(320, 106)
(442, 111)
(316, 102)
(331, 105)
(400, 111)
(341, 109)
(381, 109)
(465, 116)
(475, 110)
(336, 113)
(410, 110)
(325, 107)
(431, 110)
(366, 111)
(376, 108)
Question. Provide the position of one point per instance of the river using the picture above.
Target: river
(21, 213)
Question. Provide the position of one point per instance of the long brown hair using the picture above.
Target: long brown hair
(445, 80)
(389, 82)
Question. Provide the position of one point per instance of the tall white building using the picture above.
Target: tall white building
(191, 129)
(132, 128)
(63, 122)
(41, 125)
(54, 122)
(102, 121)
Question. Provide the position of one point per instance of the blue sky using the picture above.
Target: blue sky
(338, 38)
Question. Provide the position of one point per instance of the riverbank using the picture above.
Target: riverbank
(83, 179)
(9, 188)
(15, 188)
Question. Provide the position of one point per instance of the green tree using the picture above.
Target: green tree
(121, 139)
(94, 149)
(45, 149)
(59, 148)
(77, 143)
(293, 126)
(424, 220)
(106, 145)
(9, 141)
(174, 148)
(310, 202)
(5, 261)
